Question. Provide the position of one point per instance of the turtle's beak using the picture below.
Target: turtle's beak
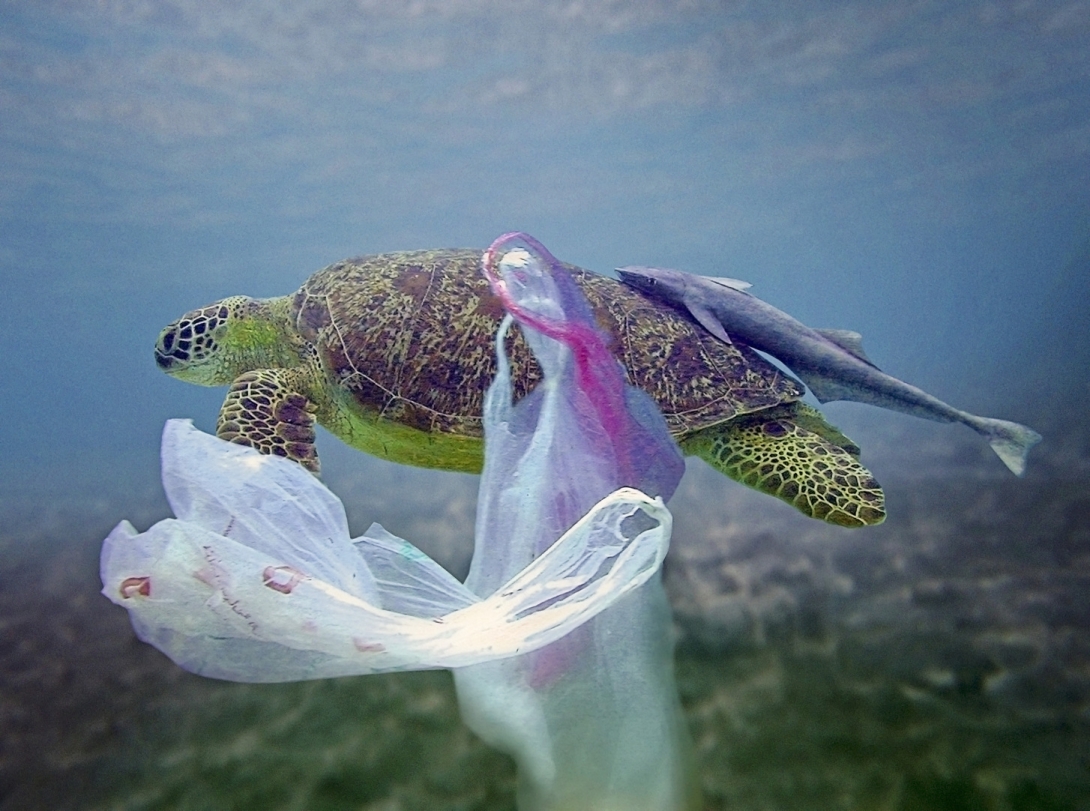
(165, 362)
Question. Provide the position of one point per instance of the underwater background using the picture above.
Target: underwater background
(916, 171)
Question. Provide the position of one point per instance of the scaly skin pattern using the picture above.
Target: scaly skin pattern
(213, 345)
(773, 453)
(264, 410)
(393, 353)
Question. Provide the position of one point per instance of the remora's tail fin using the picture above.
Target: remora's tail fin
(1010, 441)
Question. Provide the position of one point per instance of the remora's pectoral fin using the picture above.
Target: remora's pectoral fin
(851, 342)
(733, 284)
(707, 320)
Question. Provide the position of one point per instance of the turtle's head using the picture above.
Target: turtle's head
(213, 345)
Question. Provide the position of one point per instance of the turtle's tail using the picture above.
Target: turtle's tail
(1010, 441)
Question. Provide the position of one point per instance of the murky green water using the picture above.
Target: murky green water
(939, 662)
(809, 720)
(775, 729)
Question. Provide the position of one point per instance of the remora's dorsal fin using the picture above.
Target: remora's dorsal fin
(850, 342)
(733, 284)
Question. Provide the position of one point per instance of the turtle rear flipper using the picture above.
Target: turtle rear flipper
(791, 452)
(264, 410)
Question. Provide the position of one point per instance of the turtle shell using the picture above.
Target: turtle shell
(410, 337)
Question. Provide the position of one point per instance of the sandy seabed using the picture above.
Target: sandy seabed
(941, 661)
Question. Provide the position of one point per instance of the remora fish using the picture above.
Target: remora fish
(830, 362)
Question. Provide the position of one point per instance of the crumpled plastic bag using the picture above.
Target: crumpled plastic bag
(560, 638)
(593, 720)
(257, 579)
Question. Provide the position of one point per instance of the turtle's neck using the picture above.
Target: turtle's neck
(263, 336)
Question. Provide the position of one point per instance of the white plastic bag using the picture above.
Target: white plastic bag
(257, 580)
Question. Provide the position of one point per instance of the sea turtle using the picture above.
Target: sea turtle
(392, 353)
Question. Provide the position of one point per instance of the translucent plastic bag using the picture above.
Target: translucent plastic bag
(257, 579)
(593, 720)
(560, 637)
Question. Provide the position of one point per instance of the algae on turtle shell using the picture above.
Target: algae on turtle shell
(392, 353)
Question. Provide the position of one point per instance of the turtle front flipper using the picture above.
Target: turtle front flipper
(791, 452)
(264, 410)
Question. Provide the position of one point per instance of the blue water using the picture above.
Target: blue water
(917, 172)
